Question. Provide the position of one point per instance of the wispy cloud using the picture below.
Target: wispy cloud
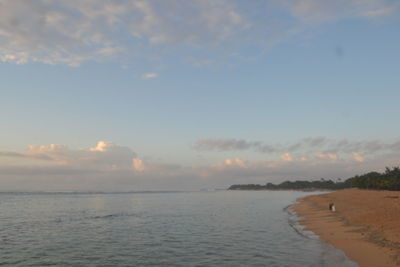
(329, 156)
(357, 156)
(322, 145)
(231, 144)
(72, 32)
(379, 12)
(317, 11)
(231, 163)
(138, 164)
(307, 150)
(10, 154)
(150, 75)
(287, 157)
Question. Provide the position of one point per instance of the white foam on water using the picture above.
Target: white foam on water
(330, 256)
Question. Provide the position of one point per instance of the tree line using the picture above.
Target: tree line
(387, 180)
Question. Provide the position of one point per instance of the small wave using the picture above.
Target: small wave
(114, 216)
(294, 223)
(331, 256)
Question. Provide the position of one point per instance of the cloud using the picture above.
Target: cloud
(23, 155)
(287, 157)
(379, 12)
(222, 144)
(312, 11)
(309, 145)
(358, 157)
(73, 32)
(262, 171)
(102, 146)
(259, 146)
(104, 156)
(138, 164)
(232, 163)
(109, 166)
(328, 156)
(149, 75)
(303, 158)
(231, 145)
(103, 159)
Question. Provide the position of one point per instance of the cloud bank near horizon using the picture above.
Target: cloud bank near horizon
(72, 32)
(108, 166)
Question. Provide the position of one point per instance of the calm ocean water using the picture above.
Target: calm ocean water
(223, 228)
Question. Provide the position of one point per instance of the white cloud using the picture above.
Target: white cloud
(237, 162)
(138, 164)
(102, 146)
(37, 149)
(303, 158)
(72, 32)
(105, 156)
(150, 75)
(328, 156)
(229, 163)
(287, 157)
(358, 157)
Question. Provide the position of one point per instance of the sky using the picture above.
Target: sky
(131, 95)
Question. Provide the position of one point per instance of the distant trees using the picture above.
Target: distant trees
(388, 180)
(299, 185)
(247, 187)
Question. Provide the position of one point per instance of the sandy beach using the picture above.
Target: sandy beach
(365, 225)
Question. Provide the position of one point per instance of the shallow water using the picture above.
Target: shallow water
(222, 228)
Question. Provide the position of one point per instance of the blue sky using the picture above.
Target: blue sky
(195, 94)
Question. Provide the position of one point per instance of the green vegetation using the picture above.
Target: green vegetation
(388, 180)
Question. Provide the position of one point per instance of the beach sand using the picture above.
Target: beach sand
(365, 225)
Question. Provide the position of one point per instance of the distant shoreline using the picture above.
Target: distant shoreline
(365, 224)
(283, 189)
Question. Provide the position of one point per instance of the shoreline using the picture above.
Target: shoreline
(365, 225)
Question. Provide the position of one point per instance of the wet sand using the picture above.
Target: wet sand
(365, 225)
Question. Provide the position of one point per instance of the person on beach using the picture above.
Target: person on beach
(332, 207)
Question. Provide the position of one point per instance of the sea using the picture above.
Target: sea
(207, 228)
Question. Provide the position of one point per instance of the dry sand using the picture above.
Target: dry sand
(365, 225)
